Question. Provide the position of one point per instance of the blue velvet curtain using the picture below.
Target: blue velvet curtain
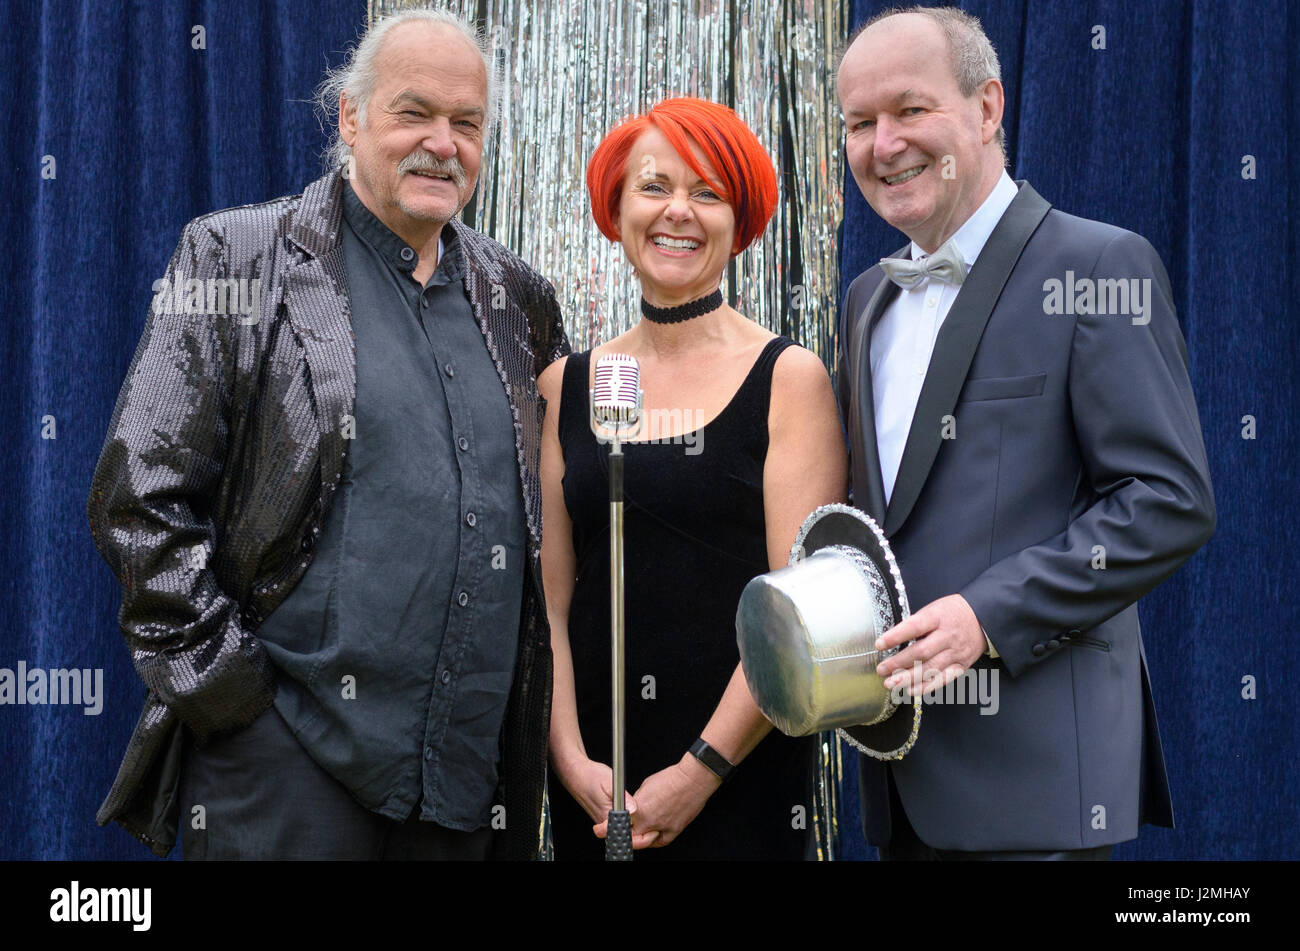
(145, 132)
(119, 130)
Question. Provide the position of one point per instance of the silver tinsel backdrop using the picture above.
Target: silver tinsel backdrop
(573, 69)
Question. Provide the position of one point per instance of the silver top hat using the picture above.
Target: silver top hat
(807, 635)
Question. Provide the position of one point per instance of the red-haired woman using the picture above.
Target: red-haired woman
(741, 441)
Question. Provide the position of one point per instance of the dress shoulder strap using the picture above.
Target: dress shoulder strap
(767, 359)
(573, 397)
(758, 385)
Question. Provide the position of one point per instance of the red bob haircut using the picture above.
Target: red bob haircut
(748, 182)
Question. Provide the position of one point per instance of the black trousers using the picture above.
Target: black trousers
(905, 845)
(256, 794)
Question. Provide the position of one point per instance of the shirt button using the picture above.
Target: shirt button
(425, 303)
(407, 254)
(428, 752)
(471, 519)
(462, 599)
(446, 676)
(449, 371)
(930, 302)
(463, 443)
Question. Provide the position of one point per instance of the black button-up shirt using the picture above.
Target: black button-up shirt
(397, 648)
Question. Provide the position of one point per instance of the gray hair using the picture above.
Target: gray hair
(974, 61)
(357, 76)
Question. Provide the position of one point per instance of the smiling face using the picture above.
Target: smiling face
(923, 154)
(418, 152)
(675, 228)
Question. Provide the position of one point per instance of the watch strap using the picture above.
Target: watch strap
(714, 761)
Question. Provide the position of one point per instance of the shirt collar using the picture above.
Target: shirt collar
(399, 255)
(974, 234)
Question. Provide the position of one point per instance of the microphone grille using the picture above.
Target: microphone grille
(618, 377)
(615, 394)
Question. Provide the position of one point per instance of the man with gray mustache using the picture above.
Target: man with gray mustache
(424, 163)
(326, 519)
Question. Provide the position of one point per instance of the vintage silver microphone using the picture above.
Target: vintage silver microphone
(615, 401)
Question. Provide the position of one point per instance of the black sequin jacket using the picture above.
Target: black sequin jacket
(221, 458)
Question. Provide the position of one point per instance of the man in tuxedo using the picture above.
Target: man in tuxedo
(325, 513)
(1014, 384)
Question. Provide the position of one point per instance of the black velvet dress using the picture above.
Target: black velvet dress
(694, 535)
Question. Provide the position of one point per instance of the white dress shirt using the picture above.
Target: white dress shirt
(903, 340)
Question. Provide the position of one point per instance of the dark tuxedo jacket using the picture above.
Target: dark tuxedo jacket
(1043, 445)
(220, 463)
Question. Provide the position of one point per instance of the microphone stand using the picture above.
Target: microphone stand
(618, 834)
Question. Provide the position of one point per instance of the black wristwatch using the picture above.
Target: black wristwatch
(714, 761)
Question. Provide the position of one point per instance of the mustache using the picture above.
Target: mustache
(422, 161)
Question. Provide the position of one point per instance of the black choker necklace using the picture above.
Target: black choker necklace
(675, 315)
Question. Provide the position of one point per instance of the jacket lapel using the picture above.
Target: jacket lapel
(955, 348)
(318, 306)
(505, 328)
(868, 486)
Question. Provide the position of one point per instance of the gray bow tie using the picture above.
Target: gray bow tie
(946, 265)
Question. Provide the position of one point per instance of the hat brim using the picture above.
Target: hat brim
(838, 524)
